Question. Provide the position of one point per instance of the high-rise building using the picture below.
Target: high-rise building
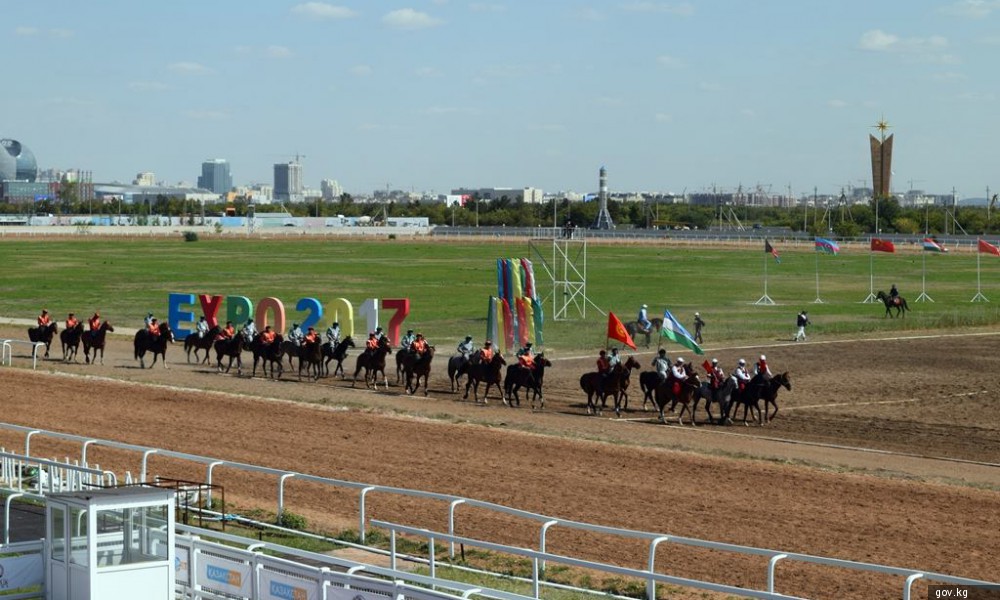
(288, 182)
(330, 189)
(145, 179)
(215, 176)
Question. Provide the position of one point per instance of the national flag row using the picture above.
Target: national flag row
(828, 246)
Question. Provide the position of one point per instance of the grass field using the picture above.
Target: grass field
(448, 283)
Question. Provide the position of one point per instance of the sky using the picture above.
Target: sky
(432, 95)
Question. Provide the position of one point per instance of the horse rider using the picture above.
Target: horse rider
(71, 321)
(149, 319)
(311, 336)
(698, 324)
(228, 332)
(268, 335)
(201, 327)
(465, 348)
(661, 362)
(44, 320)
(486, 352)
(603, 370)
(716, 376)
(526, 357)
(295, 334)
(380, 335)
(614, 359)
(894, 295)
(249, 330)
(407, 340)
(679, 374)
(333, 333)
(371, 344)
(153, 327)
(741, 375)
(643, 319)
(95, 324)
(419, 345)
(762, 369)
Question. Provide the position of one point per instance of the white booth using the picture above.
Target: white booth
(111, 544)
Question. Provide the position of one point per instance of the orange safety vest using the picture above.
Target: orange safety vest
(419, 346)
(44, 320)
(486, 354)
(154, 328)
(228, 331)
(372, 343)
(311, 337)
(95, 323)
(71, 323)
(267, 337)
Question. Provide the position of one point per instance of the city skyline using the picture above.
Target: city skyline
(434, 95)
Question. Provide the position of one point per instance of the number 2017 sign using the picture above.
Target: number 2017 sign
(271, 311)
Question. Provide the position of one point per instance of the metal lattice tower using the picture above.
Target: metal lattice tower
(564, 261)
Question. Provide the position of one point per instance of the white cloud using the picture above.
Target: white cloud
(877, 40)
(278, 52)
(837, 103)
(26, 31)
(407, 18)
(930, 49)
(487, 8)
(192, 68)
(206, 114)
(361, 70)
(322, 10)
(148, 86)
(681, 9)
(972, 9)
(671, 62)
(61, 33)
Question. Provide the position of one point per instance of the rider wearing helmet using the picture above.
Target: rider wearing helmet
(762, 369)
(614, 358)
(419, 345)
(249, 329)
(228, 332)
(202, 327)
(662, 364)
(643, 319)
(486, 352)
(465, 348)
(333, 333)
(295, 334)
(526, 357)
(71, 321)
(741, 374)
(268, 335)
(716, 375)
(311, 336)
(371, 343)
(44, 319)
(407, 339)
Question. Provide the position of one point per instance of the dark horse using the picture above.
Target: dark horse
(43, 334)
(266, 354)
(899, 303)
(195, 343)
(679, 392)
(70, 339)
(417, 366)
(759, 389)
(373, 362)
(598, 387)
(337, 353)
(458, 365)
(402, 355)
(722, 396)
(484, 372)
(530, 379)
(94, 340)
(233, 348)
(648, 380)
(311, 359)
(633, 328)
(144, 342)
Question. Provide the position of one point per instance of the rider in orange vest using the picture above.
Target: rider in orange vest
(95, 321)
(486, 352)
(311, 336)
(44, 320)
(372, 342)
(229, 331)
(526, 357)
(71, 321)
(154, 328)
(419, 345)
(268, 335)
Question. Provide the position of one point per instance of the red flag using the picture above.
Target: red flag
(770, 250)
(882, 245)
(988, 248)
(616, 331)
(707, 366)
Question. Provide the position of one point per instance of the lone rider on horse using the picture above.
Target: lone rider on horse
(662, 364)
(643, 319)
(153, 328)
(894, 295)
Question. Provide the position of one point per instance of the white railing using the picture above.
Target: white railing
(6, 351)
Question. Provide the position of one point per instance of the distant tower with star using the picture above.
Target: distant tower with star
(881, 148)
(603, 220)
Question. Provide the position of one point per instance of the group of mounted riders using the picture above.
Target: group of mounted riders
(72, 335)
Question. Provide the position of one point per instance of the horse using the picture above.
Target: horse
(143, 343)
(517, 377)
(70, 339)
(233, 348)
(679, 392)
(764, 389)
(458, 365)
(195, 342)
(373, 362)
(417, 366)
(722, 396)
(311, 359)
(94, 340)
(648, 380)
(337, 353)
(899, 303)
(289, 349)
(44, 334)
(488, 372)
(402, 355)
(634, 328)
(266, 354)
(598, 386)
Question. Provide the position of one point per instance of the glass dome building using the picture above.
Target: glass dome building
(17, 163)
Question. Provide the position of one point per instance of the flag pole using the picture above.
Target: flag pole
(818, 300)
(923, 297)
(765, 299)
(871, 275)
(979, 297)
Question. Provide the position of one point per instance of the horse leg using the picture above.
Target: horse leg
(772, 403)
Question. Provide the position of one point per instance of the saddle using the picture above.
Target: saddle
(897, 301)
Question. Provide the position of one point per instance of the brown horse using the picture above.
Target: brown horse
(267, 354)
(94, 340)
(899, 303)
(458, 365)
(144, 342)
(679, 392)
(43, 334)
(233, 348)
(530, 379)
(195, 343)
(633, 328)
(598, 386)
(485, 372)
(70, 339)
(759, 389)
(417, 366)
(373, 362)
(311, 359)
(402, 355)
(337, 353)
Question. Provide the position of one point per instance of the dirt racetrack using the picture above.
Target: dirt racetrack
(809, 482)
